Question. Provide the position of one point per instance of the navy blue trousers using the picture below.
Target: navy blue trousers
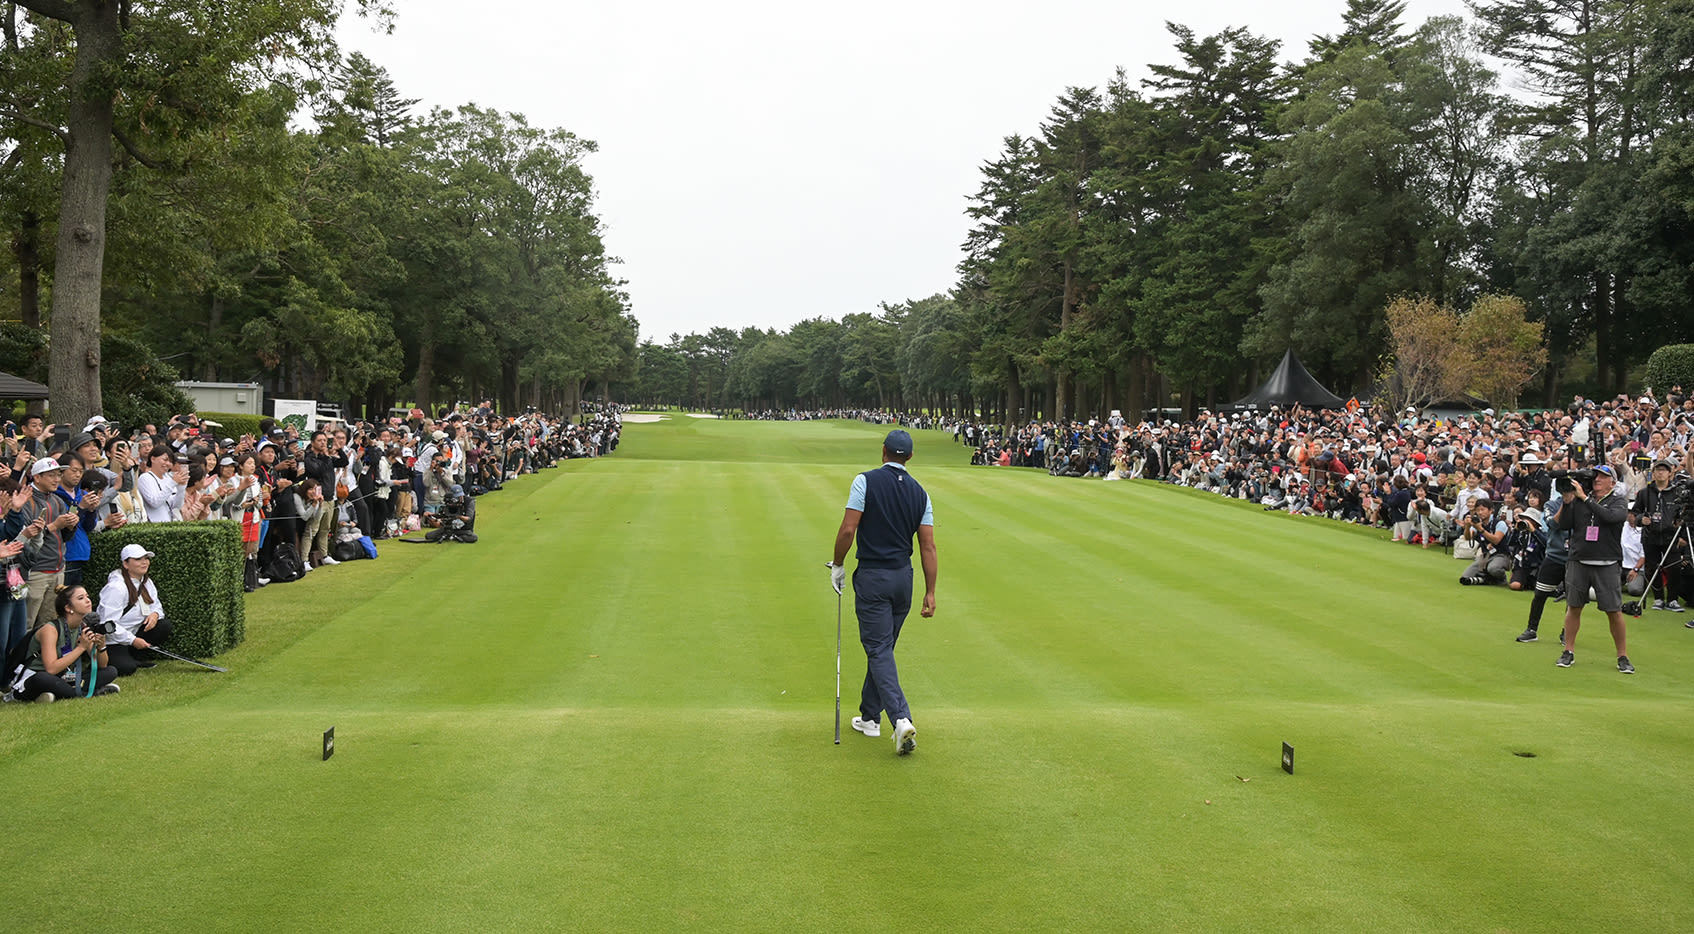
(882, 597)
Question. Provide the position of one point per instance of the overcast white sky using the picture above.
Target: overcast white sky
(763, 162)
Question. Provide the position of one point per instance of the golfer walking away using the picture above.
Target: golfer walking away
(885, 508)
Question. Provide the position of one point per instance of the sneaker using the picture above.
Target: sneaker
(1689, 624)
(1470, 581)
(329, 560)
(1566, 658)
(1660, 605)
(1624, 667)
(307, 567)
(45, 697)
(871, 728)
(1528, 635)
(106, 689)
(905, 737)
(1675, 606)
(264, 582)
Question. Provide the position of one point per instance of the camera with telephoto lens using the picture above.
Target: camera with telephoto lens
(1562, 479)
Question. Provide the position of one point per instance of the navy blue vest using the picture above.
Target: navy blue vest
(894, 505)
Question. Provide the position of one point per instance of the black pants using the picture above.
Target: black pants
(43, 683)
(1549, 577)
(1665, 581)
(125, 659)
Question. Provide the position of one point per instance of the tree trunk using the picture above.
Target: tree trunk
(1602, 330)
(75, 359)
(27, 249)
(426, 375)
(214, 321)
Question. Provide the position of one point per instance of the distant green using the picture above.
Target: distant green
(614, 714)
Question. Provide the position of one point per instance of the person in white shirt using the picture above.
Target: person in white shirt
(130, 599)
(162, 485)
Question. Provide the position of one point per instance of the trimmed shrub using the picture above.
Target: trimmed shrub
(235, 424)
(198, 568)
(1671, 365)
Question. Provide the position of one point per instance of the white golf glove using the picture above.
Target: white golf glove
(837, 576)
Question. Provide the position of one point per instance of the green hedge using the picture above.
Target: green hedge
(1671, 365)
(235, 424)
(198, 567)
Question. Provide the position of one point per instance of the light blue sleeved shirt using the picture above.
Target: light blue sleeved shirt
(856, 498)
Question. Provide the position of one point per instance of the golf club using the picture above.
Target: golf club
(837, 669)
(182, 658)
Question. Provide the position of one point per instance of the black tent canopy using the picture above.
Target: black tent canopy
(1288, 385)
(16, 387)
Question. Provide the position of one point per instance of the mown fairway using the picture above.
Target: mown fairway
(615, 713)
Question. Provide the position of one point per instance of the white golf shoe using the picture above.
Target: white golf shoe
(871, 728)
(905, 737)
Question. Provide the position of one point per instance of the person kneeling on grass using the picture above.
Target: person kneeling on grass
(1493, 563)
(59, 652)
(131, 600)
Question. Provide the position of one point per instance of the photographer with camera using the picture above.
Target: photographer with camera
(60, 649)
(1657, 513)
(1595, 523)
(1488, 532)
(437, 474)
(1527, 544)
(322, 465)
(130, 601)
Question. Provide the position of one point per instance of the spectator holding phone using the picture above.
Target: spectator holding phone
(42, 521)
(162, 485)
(14, 608)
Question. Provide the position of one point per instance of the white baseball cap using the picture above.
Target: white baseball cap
(43, 465)
(133, 551)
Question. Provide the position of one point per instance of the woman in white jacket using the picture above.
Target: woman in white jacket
(131, 600)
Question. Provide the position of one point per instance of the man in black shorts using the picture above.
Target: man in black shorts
(1595, 524)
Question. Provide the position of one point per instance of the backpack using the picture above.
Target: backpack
(285, 564)
(348, 551)
(16, 670)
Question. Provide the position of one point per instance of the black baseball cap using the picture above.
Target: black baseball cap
(898, 442)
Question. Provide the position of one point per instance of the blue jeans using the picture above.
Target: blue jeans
(881, 598)
(14, 624)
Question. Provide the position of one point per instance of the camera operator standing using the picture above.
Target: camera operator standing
(1656, 514)
(1595, 523)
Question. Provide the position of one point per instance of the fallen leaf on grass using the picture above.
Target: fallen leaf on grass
(1244, 779)
(593, 656)
(1208, 802)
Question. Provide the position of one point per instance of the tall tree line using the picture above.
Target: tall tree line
(160, 185)
(1166, 239)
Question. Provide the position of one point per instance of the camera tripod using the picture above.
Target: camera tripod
(1673, 557)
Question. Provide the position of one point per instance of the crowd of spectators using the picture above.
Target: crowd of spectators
(1481, 485)
(301, 497)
